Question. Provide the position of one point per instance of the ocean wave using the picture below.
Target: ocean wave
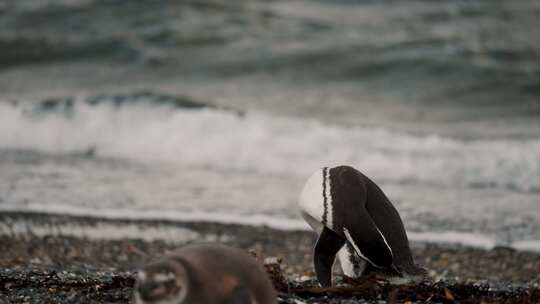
(16, 51)
(64, 105)
(210, 137)
(408, 48)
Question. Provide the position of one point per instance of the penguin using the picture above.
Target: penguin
(355, 220)
(204, 274)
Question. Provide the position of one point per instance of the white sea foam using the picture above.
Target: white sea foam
(110, 231)
(469, 239)
(222, 167)
(275, 222)
(454, 237)
(527, 245)
(139, 230)
(267, 144)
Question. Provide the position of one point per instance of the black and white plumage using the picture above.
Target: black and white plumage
(204, 274)
(354, 219)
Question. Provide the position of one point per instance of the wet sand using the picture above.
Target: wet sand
(61, 265)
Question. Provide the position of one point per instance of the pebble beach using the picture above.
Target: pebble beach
(57, 267)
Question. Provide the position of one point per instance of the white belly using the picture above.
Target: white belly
(347, 265)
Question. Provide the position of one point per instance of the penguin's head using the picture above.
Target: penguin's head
(162, 282)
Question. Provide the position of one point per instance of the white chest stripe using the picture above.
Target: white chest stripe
(329, 211)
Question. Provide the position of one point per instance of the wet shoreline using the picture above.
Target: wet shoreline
(70, 269)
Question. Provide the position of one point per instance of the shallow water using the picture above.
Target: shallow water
(147, 160)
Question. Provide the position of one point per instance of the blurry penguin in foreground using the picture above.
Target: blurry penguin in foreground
(353, 216)
(204, 274)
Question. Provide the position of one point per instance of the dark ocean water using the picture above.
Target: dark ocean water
(221, 109)
(466, 66)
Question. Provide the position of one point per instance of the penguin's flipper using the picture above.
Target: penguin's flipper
(367, 240)
(326, 249)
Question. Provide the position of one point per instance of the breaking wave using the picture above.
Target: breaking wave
(203, 135)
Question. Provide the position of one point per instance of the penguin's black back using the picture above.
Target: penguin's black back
(352, 193)
(385, 215)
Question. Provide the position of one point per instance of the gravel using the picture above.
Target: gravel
(56, 268)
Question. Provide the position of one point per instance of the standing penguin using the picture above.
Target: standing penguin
(204, 274)
(353, 216)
